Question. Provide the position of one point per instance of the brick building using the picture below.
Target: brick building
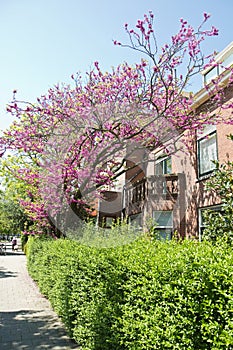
(171, 189)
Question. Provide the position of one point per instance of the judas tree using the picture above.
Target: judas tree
(75, 140)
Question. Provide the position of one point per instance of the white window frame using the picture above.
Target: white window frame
(164, 231)
(162, 162)
(211, 74)
(201, 224)
(215, 71)
(205, 167)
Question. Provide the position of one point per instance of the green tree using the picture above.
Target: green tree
(12, 218)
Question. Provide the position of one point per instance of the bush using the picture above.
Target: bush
(89, 234)
(140, 296)
(220, 223)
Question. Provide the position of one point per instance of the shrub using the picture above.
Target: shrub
(94, 236)
(220, 223)
(141, 296)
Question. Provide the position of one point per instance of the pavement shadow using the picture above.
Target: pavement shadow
(9, 252)
(33, 330)
(4, 273)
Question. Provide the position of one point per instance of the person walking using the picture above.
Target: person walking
(14, 243)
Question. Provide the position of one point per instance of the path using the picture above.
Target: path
(27, 321)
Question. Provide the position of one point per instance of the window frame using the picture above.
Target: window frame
(202, 174)
(217, 70)
(166, 229)
(162, 162)
(201, 226)
(214, 71)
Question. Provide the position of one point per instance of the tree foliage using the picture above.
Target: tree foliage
(74, 141)
(220, 223)
(13, 219)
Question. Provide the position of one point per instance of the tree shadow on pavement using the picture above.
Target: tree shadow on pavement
(4, 273)
(9, 252)
(33, 330)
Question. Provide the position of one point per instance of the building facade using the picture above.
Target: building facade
(170, 190)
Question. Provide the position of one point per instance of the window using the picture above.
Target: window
(163, 166)
(136, 220)
(201, 218)
(109, 222)
(223, 63)
(164, 224)
(207, 153)
(213, 73)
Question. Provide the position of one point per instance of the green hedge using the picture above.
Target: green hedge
(144, 295)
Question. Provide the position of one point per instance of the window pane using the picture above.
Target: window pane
(136, 219)
(163, 166)
(213, 73)
(163, 234)
(109, 221)
(207, 153)
(202, 219)
(168, 166)
(163, 218)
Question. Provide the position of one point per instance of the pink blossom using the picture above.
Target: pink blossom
(206, 16)
(73, 134)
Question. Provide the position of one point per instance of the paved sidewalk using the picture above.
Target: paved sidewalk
(27, 321)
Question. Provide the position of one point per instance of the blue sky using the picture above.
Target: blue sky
(43, 42)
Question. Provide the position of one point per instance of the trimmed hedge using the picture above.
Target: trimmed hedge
(140, 296)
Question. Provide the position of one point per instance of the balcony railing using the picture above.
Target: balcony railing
(165, 186)
(156, 186)
(135, 195)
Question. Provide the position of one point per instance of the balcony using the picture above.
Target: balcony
(110, 207)
(165, 186)
(154, 187)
